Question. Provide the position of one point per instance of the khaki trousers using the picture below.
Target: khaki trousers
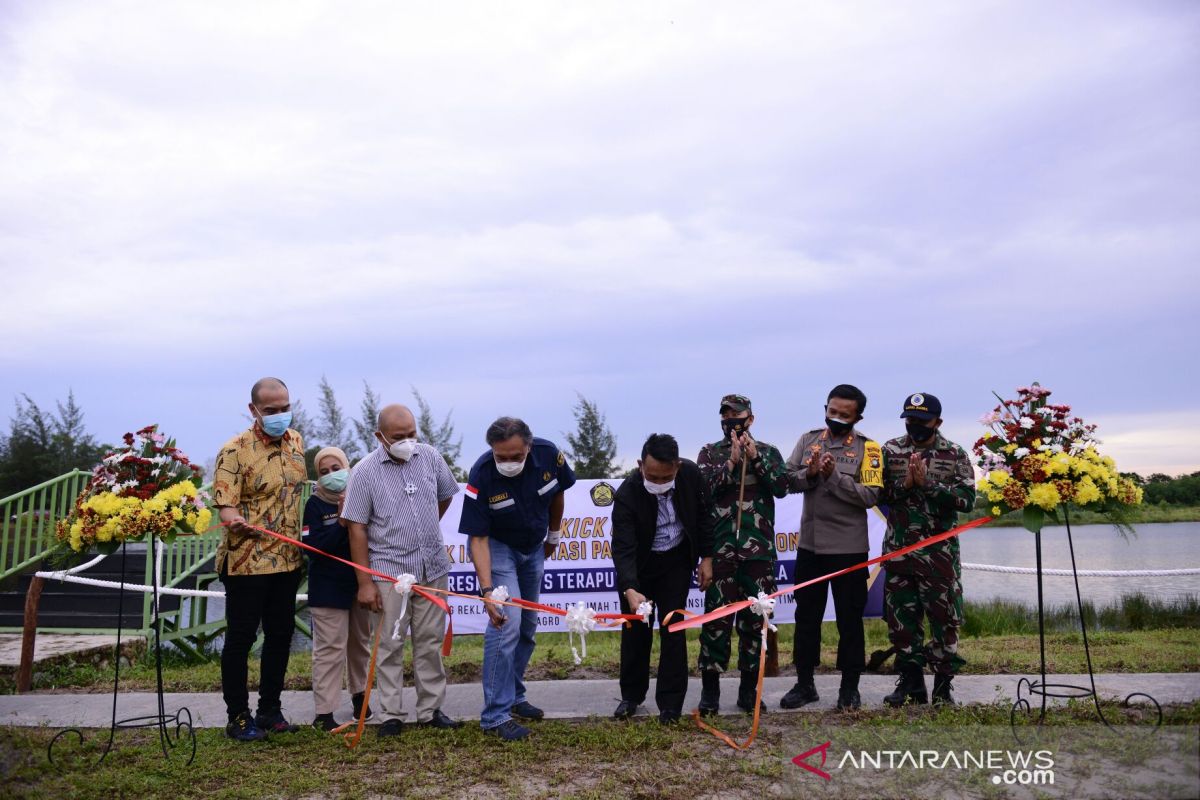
(427, 624)
(341, 639)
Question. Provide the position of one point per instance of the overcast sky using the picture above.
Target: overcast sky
(504, 204)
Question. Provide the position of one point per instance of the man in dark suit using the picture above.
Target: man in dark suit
(662, 525)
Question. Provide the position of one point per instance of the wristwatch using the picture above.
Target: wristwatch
(483, 590)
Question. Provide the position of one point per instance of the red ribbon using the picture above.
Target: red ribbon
(732, 608)
(430, 593)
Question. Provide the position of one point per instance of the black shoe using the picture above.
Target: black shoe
(710, 693)
(244, 729)
(273, 722)
(509, 731)
(941, 690)
(324, 722)
(391, 727)
(668, 717)
(849, 700)
(441, 721)
(527, 710)
(356, 700)
(625, 709)
(910, 688)
(748, 692)
(803, 693)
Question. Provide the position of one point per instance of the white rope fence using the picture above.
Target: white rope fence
(1085, 573)
(69, 576)
(72, 576)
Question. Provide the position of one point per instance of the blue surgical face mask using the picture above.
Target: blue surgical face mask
(335, 481)
(275, 425)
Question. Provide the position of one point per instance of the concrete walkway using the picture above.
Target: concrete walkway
(52, 646)
(565, 699)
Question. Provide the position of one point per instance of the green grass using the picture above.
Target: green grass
(1137, 634)
(599, 759)
(1134, 612)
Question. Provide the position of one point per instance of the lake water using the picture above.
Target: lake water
(1169, 545)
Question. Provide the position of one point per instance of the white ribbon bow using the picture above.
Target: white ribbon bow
(500, 594)
(403, 587)
(581, 619)
(644, 610)
(764, 606)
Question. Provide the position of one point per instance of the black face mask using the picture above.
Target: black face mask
(730, 425)
(918, 432)
(837, 427)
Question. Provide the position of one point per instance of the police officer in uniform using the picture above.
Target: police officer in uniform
(512, 512)
(839, 470)
(928, 482)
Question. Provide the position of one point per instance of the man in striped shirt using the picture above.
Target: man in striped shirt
(394, 502)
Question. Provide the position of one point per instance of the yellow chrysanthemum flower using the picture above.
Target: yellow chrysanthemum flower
(1086, 492)
(1044, 495)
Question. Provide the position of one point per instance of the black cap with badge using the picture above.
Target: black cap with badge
(922, 406)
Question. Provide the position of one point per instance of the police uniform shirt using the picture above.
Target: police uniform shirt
(515, 511)
(834, 518)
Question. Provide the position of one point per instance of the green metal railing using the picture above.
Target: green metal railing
(27, 521)
(27, 537)
(186, 558)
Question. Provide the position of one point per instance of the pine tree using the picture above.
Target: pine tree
(593, 447)
(301, 423)
(332, 429)
(42, 445)
(440, 437)
(368, 421)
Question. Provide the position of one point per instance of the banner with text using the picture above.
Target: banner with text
(582, 568)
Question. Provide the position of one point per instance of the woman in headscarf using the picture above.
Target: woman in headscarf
(340, 628)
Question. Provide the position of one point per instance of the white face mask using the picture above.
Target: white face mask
(510, 469)
(403, 449)
(658, 488)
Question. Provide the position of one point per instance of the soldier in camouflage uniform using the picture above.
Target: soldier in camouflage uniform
(928, 481)
(744, 545)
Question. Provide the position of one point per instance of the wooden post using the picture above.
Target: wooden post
(29, 634)
(772, 668)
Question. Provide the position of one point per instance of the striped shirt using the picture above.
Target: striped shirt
(398, 502)
(669, 533)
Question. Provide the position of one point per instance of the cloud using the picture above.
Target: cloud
(624, 199)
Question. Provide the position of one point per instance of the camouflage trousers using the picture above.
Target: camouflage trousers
(908, 601)
(734, 580)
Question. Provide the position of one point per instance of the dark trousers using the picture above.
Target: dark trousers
(664, 580)
(250, 600)
(849, 602)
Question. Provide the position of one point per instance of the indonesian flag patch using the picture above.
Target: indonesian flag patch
(472, 492)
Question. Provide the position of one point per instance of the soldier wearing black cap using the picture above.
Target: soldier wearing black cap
(928, 482)
(744, 477)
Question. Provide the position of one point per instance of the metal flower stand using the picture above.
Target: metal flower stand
(172, 728)
(1046, 689)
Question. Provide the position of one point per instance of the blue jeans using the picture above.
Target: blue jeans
(507, 649)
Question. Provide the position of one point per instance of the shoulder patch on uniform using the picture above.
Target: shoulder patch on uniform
(872, 464)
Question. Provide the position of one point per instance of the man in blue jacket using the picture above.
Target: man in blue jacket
(512, 512)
